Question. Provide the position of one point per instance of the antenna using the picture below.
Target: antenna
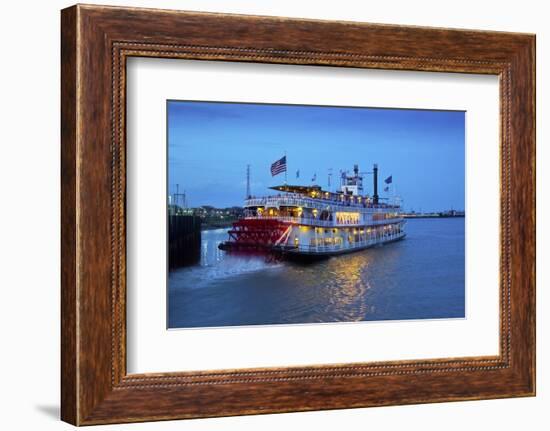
(329, 177)
(176, 198)
(248, 182)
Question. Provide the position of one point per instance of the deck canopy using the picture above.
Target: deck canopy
(313, 191)
(306, 190)
(317, 192)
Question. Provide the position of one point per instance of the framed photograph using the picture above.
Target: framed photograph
(266, 215)
(267, 248)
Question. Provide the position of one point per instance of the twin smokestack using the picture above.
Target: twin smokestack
(375, 175)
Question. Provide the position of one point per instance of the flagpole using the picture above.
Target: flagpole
(285, 167)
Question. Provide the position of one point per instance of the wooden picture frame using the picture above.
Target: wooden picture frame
(95, 43)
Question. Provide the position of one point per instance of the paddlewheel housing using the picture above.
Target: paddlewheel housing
(257, 234)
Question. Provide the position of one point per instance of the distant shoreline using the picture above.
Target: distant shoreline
(413, 216)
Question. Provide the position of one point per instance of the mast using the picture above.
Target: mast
(375, 179)
(248, 194)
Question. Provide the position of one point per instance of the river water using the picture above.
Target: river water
(420, 277)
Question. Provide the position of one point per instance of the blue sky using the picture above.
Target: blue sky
(210, 144)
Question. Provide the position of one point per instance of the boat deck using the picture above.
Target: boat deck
(334, 250)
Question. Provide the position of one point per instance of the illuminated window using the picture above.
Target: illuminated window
(347, 218)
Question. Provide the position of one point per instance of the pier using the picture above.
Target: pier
(184, 240)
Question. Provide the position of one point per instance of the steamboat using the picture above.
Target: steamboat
(309, 223)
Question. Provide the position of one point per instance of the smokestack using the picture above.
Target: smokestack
(375, 195)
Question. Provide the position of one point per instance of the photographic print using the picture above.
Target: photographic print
(298, 214)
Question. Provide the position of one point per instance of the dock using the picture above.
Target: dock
(184, 240)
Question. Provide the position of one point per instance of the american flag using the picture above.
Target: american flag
(278, 167)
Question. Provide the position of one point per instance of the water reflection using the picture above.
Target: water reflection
(210, 253)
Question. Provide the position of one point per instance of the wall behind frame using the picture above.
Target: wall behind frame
(29, 220)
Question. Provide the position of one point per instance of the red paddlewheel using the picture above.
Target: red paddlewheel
(257, 232)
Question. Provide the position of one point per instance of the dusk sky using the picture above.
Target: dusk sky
(210, 144)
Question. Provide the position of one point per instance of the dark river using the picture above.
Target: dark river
(421, 277)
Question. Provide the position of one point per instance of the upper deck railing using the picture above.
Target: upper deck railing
(307, 221)
(297, 200)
